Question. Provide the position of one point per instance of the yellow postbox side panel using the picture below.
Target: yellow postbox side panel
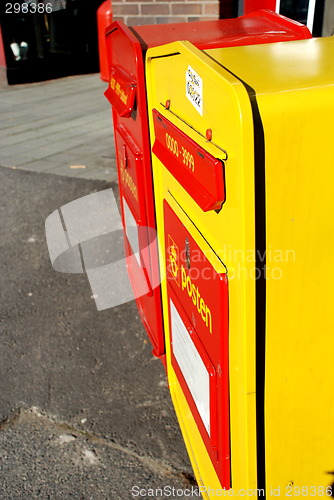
(230, 233)
(293, 83)
(300, 320)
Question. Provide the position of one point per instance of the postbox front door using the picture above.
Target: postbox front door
(198, 318)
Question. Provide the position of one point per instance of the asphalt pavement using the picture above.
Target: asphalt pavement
(85, 411)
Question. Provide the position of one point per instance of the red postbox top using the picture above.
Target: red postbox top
(262, 26)
(126, 47)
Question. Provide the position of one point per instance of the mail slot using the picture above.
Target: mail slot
(247, 300)
(198, 172)
(126, 92)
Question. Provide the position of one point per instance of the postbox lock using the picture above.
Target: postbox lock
(208, 134)
(167, 105)
(187, 253)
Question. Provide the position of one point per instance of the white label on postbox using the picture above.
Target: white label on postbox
(191, 365)
(194, 89)
(131, 230)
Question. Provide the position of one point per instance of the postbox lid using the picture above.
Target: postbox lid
(262, 26)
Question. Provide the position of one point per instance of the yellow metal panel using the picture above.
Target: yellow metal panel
(280, 67)
(299, 371)
(293, 84)
(230, 233)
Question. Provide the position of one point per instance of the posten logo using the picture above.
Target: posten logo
(173, 263)
(195, 295)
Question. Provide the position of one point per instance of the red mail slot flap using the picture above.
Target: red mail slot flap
(200, 173)
(121, 91)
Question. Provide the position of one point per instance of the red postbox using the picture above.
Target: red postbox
(126, 92)
(3, 64)
(252, 5)
(104, 18)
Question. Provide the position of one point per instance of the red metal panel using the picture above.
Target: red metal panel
(259, 27)
(134, 170)
(104, 18)
(252, 5)
(197, 171)
(200, 296)
(2, 52)
(143, 274)
(290, 29)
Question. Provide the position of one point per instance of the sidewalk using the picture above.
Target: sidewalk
(85, 412)
(60, 127)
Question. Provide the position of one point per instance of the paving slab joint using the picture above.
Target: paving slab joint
(157, 466)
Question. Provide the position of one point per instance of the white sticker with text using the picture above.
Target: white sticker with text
(131, 230)
(194, 89)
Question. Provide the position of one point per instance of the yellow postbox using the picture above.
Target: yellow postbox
(243, 182)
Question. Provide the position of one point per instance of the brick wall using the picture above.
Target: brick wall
(135, 12)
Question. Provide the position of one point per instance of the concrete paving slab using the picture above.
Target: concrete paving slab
(18, 160)
(42, 120)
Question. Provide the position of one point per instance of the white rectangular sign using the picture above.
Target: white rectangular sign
(191, 365)
(194, 89)
(131, 230)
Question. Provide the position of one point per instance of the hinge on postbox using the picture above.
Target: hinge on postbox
(125, 158)
(187, 253)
